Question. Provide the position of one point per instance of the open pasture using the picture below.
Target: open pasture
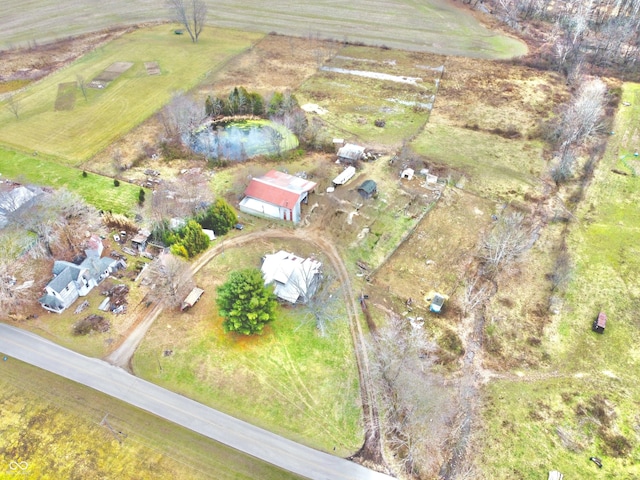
(488, 164)
(582, 399)
(362, 84)
(504, 99)
(486, 126)
(434, 25)
(108, 113)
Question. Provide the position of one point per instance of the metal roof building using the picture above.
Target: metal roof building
(276, 195)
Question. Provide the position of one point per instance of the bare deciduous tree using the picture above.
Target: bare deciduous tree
(584, 115)
(60, 221)
(476, 292)
(82, 85)
(170, 279)
(397, 353)
(182, 115)
(14, 106)
(509, 238)
(181, 197)
(320, 297)
(190, 13)
(13, 295)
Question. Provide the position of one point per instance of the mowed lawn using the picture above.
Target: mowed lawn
(290, 380)
(438, 26)
(585, 401)
(96, 190)
(91, 125)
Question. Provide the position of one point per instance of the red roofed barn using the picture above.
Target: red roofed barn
(276, 195)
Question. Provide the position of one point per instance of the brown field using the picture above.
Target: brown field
(435, 25)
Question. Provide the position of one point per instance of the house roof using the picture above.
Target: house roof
(51, 301)
(279, 188)
(14, 199)
(351, 152)
(368, 186)
(60, 265)
(96, 266)
(59, 283)
(293, 276)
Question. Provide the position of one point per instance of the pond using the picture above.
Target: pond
(239, 141)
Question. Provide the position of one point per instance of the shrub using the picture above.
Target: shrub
(92, 323)
(84, 174)
(116, 182)
(219, 217)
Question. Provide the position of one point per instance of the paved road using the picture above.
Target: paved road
(114, 381)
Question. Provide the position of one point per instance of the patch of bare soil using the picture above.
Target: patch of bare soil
(39, 61)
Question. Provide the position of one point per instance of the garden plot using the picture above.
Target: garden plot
(152, 68)
(109, 74)
(374, 95)
(66, 98)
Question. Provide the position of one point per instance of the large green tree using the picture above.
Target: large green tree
(189, 241)
(219, 217)
(246, 304)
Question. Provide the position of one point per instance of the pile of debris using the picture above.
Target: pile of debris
(116, 301)
(92, 323)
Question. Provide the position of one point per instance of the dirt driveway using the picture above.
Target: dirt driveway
(371, 452)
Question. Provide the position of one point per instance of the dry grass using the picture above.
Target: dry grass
(54, 426)
(434, 25)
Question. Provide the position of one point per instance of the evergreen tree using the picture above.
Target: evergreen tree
(246, 304)
(219, 217)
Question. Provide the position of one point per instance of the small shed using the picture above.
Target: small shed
(350, 153)
(368, 189)
(407, 173)
(600, 323)
(192, 298)
(139, 241)
(555, 475)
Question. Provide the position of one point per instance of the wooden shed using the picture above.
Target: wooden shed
(600, 323)
(192, 298)
(368, 189)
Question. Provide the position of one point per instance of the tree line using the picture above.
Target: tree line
(577, 33)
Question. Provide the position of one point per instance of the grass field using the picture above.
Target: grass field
(53, 425)
(77, 134)
(584, 399)
(354, 102)
(495, 167)
(434, 25)
(97, 190)
(290, 380)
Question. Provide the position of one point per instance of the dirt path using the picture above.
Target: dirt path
(370, 454)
